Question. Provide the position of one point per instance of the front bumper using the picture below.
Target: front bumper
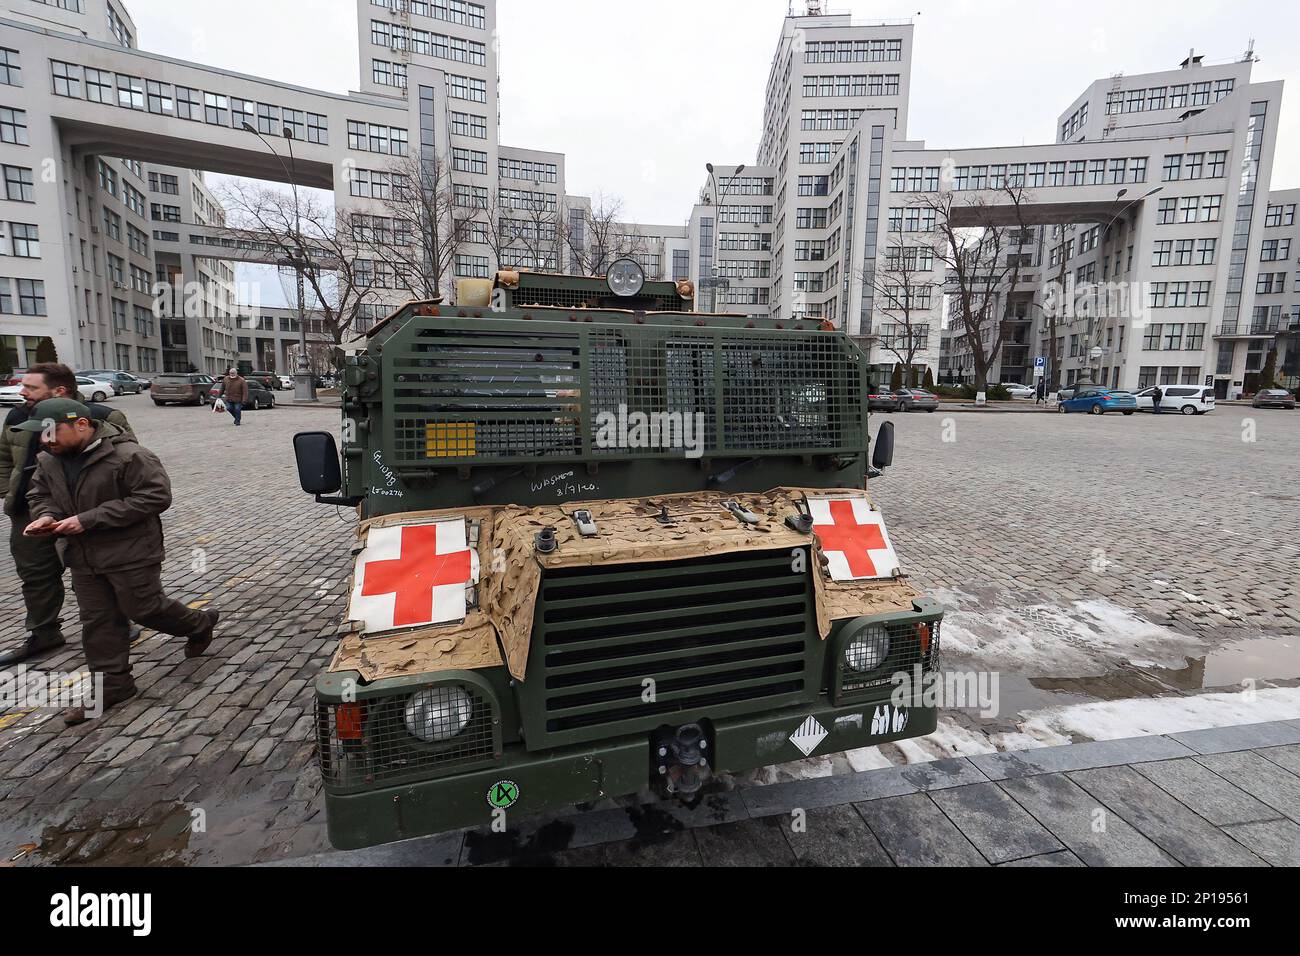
(535, 783)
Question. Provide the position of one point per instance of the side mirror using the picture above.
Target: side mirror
(883, 456)
(318, 463)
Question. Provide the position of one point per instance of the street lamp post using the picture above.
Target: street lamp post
(719, 197)
(304, 385)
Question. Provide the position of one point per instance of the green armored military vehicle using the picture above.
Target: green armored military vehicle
(606, 543)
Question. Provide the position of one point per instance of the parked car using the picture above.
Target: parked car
(1098, 400)
(1187, 399)
(123, 383)
(91, 390)
(181, 389)
(879, 401)
(916, 400)
(259, 396)
(286, 382)
(1273, 398)
(1069, 391)
(95, 389)
(1020, 391)
(270, 380)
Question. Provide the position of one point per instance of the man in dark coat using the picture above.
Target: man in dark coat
(36, 559)
(235, 394)
(103, 494)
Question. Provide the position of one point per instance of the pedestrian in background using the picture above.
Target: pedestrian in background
(1041, 397)
(103, 494)
(235, 394)
(1157, 397)
(40, 569)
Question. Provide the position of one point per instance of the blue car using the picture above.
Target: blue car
(1097, 400)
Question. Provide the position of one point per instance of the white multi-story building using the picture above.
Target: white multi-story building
(104, 148)
(1155, 193)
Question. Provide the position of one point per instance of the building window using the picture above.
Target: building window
(163, 213)
(318, 129)
(268, 120)
(13, 126)
(24, 241)
(469, 161)
(112, 225)
(67, 79)
(130, 92)
(1280, 215)
(467, 88)
(474, 267)
(158, 97)
(189, 106)
(31, 297)
(215, 108)
(107, 178)
(469, 124)
(19, 184)
(11, 72)
(296, 123)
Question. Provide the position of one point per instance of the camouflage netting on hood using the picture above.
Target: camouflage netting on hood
(630, 532)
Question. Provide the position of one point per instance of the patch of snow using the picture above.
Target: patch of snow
(1143, 717)
(867, 758)
(1081, 639)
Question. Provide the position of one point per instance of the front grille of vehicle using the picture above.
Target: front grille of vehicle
(626, 649)
(366, 743)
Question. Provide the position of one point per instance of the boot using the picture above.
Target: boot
(33, 647)
(75, 716)
(197, 645)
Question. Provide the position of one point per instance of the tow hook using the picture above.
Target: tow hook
(681, 760)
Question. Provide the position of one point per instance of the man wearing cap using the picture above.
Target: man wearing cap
(102, 493)
(36, 559)
(235, 395)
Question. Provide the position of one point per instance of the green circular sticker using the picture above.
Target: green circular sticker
(503, 795)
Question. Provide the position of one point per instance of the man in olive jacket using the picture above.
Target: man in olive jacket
(101, 492)
(36, 559)
(235, 394)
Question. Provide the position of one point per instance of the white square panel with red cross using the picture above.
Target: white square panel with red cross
(853, 538)
(413, 575)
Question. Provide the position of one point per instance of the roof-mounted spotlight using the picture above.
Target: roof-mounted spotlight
(625, 278)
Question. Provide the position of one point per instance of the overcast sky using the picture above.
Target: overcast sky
(639, 94)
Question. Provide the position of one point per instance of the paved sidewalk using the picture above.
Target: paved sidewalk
(1222, 797)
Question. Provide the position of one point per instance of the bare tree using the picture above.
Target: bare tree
(421, 228)
(310, 237)
(527, 232)
(601, 238)
(979, 244)
(901, 293)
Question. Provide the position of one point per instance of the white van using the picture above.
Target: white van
(1185, 399)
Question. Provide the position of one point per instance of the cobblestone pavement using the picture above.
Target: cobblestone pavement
(1177, 522)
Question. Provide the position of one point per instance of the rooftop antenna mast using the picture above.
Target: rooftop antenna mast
(1250, 53)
